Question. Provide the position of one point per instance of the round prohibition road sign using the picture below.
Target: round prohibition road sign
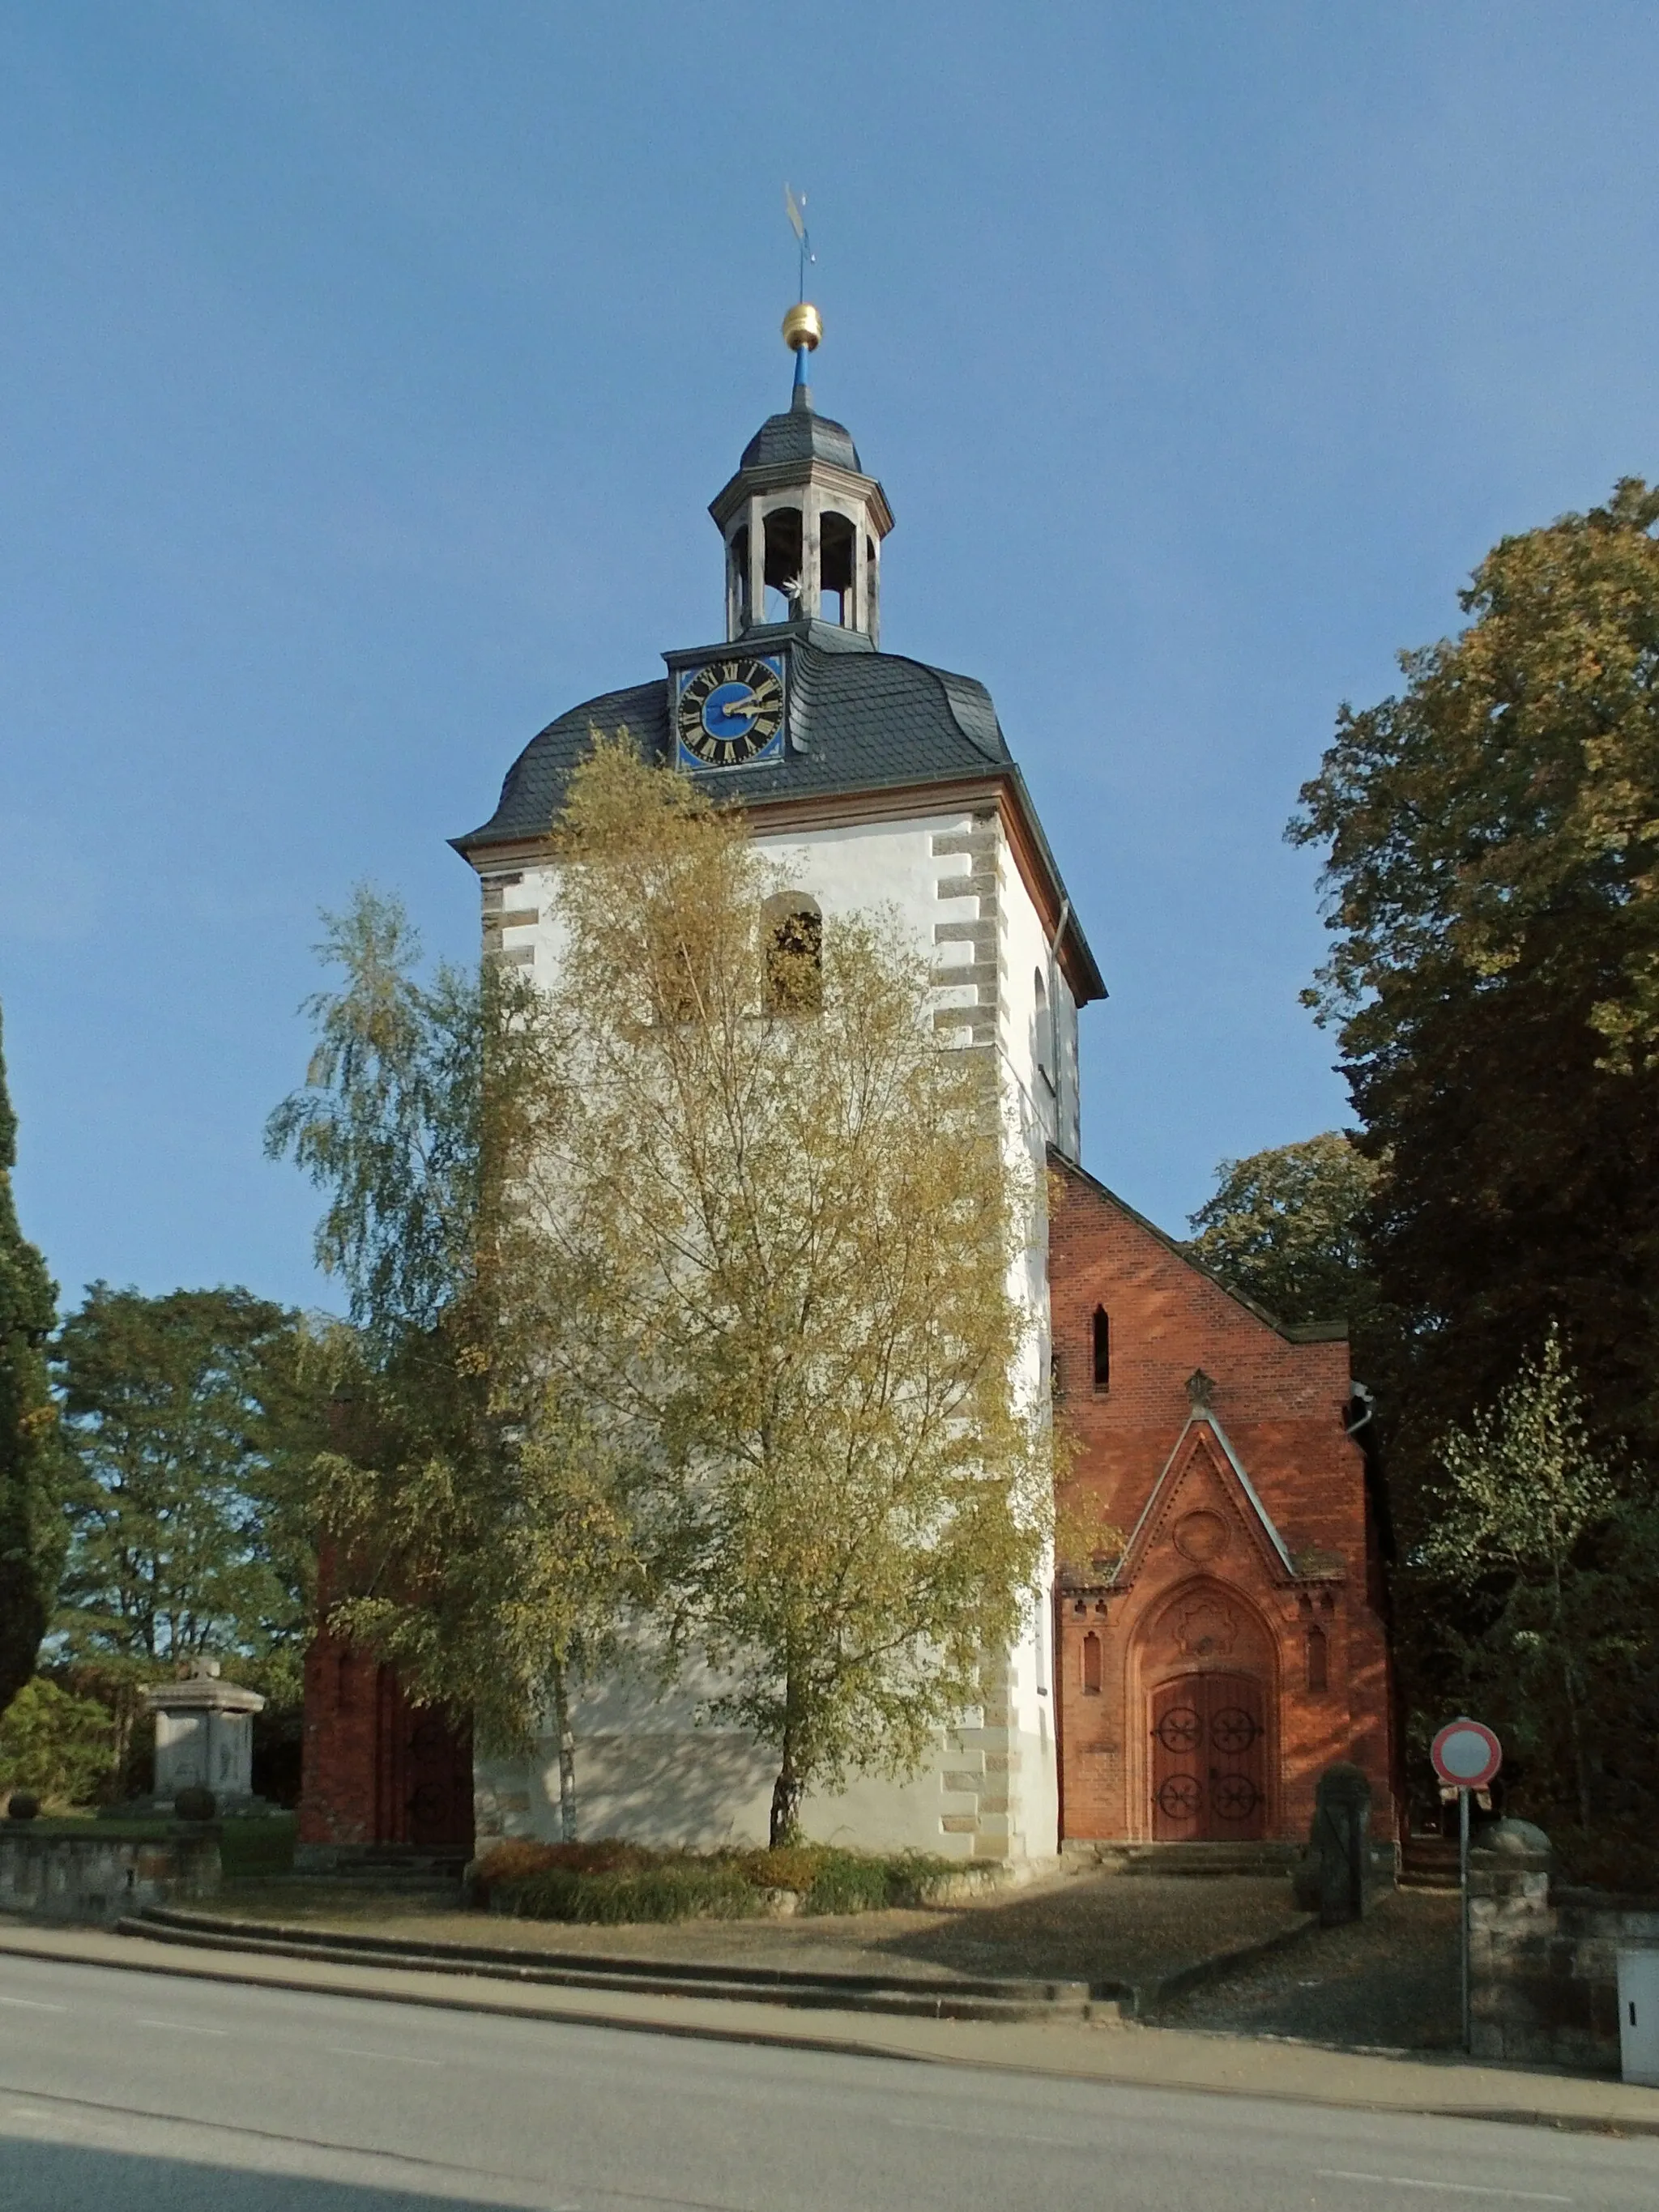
(1467, 1755)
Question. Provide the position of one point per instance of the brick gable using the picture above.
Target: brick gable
(1219, 1441)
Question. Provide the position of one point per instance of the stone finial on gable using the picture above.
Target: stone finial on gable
(1201, 1391)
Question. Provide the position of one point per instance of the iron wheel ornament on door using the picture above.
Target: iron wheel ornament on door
(1181, 1728)
(1233, 1730)
(1181, 1797)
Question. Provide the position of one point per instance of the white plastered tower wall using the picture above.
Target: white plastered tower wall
(646, 1767)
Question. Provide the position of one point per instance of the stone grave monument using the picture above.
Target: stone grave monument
(203, 1738)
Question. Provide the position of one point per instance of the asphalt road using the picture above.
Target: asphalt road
(124, 2092)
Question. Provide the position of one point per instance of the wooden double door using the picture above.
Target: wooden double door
(423, 1790)
(1209, 1763)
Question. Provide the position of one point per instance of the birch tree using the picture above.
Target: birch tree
(1524, 1495)
(485, 1528)
(784, 1210)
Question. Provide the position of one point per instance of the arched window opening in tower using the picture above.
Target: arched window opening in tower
(784, 542)
(1318, 1653)
(837, 540)
(1091, 1665)
(793, 935)
(737, 578)
(1102, 1350)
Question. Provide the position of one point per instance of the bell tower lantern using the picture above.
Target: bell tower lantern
(803, 525)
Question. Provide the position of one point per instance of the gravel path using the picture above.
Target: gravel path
(1389, 1982)
(1094, 1928)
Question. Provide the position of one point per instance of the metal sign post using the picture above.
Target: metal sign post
(1466, 1757)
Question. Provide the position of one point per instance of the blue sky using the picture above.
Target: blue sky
(365, 367)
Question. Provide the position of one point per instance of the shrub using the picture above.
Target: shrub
(1606, 1860)
(608, 1881)
(56, 1746)
(686, 1889)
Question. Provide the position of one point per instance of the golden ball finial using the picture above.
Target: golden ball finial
(803, 326)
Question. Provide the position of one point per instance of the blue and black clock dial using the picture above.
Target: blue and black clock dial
(731, 711)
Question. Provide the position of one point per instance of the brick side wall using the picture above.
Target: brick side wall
(1204, 1588)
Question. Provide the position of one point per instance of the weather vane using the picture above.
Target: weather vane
(796, 210)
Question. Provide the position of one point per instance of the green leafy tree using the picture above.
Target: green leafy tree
(33, 1533)
(1491, 835)
(785, 1223)
(1284, 1227)
(187, 1418)
(486, 1528)
(1532, 1541)
(55, 1744)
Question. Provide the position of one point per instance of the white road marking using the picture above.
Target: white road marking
(393, 2057)
(32, 2004)
(1453, 2188)
(180, 2027)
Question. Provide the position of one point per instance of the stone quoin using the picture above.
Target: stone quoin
(1237, 1646)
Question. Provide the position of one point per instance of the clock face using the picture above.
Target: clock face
(731, 711)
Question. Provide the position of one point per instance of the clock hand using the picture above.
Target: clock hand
(751, 705)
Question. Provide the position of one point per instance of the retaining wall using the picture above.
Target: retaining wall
(95, 1877)
(1544, 1962)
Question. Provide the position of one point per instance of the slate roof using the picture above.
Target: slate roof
(859, 720)
(792, 439)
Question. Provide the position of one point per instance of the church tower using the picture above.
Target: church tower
(870, 778)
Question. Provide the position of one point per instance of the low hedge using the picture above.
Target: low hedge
(610, 1881)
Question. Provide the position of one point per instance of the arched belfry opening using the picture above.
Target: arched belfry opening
(791, 929)
(786, 585)
(803, 523)
(837, 539)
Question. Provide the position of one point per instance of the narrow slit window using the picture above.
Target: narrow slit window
(1102, 1350)
(1318, 1659)
(1091, 1665)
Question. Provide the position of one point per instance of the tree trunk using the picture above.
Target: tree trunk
(786, 1805)
(788, 1788)
(567, 1756)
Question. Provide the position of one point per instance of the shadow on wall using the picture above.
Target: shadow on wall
(44, 2176)
(706, 1788)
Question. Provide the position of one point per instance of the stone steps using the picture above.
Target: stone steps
(1429, 1862)
(1267, 1859)
(953, 1998)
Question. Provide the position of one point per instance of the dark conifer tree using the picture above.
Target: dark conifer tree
(32, 1529)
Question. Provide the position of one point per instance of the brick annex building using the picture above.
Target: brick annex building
(1193, 1692)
